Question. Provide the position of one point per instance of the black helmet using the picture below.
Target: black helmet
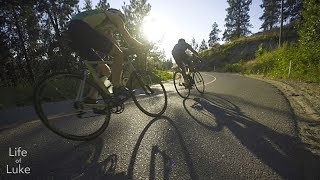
(118, 12)
(181, 41)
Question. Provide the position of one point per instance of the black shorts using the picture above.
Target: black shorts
(182, 59)
(84, 39)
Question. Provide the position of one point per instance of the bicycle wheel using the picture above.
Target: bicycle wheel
(180, 85)
(198, 81)
(58, 103)
(149, 94)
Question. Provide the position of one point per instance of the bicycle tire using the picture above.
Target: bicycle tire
(45, 100)
(178, 82)
(198, 82)
(149, 93)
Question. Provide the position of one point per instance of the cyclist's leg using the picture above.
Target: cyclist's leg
(117, 66)
(84, 39)
(119, 90)
(178, 58)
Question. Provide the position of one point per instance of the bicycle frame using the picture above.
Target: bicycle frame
(93, 73)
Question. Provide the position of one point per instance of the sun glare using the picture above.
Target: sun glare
(158, 29)
(155, 28)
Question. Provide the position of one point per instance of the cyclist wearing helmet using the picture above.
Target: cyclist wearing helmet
(94, 29)
(180, 56)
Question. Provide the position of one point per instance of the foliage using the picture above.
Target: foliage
(272, 12)
(164, 75)
(245, 48)
(304, 56)
(310, 25)
(213, 36)
(276, 63)
(203, 45)
(237, 20)
(103, 5)
(234, 68)
(87, 5)
(135, 13)
(194, 44)
(28, 30)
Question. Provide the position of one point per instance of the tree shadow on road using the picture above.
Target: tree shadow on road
(281, 152)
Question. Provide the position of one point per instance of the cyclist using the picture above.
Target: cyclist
(180, 56)
(95, 30)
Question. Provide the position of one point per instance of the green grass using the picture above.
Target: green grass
(305, 63)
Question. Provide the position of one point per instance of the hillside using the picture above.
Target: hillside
(246, 48)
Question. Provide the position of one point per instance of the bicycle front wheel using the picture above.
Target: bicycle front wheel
(58, 101)
(198, 81)
(181, 85)
(149, 94)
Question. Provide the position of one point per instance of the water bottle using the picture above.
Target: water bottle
(107, 83)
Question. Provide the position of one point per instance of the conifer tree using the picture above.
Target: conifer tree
(237, 20)
(213, 36)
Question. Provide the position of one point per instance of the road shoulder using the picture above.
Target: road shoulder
(304, 100)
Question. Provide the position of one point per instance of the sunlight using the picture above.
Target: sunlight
(154, 28)
(158, 29)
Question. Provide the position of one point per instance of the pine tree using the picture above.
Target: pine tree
(203, 45)
(271, 13)
(237, 20)
(292, 9)
(213, 36)
(194, 44)
(87, 5)
(135, 13)
(103, 5)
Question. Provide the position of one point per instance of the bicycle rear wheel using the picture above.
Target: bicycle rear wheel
(181, 85)
(60, 107)
(198, 81)
(149, 94)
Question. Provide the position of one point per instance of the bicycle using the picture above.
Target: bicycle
(82, 121)
(183, 86)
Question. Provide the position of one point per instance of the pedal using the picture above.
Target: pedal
(119, 109)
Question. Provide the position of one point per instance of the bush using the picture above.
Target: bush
(164, 75)
(235, 68)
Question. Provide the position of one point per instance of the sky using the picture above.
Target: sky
(170, 20)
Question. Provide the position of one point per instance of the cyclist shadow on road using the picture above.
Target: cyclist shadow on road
(82, 162)
(169, 162)
(281, 152)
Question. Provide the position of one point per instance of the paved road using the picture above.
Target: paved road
(240, 128)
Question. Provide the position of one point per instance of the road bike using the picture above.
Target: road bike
(194, 79)
(59, 100)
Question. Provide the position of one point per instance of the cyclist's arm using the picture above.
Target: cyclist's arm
(194, 52)
(123, 31)
(126, 35)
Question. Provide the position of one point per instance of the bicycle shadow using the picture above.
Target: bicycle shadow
(81, 162)
(281, 152)
(157, 153)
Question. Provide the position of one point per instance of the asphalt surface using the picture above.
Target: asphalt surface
(240, 128)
